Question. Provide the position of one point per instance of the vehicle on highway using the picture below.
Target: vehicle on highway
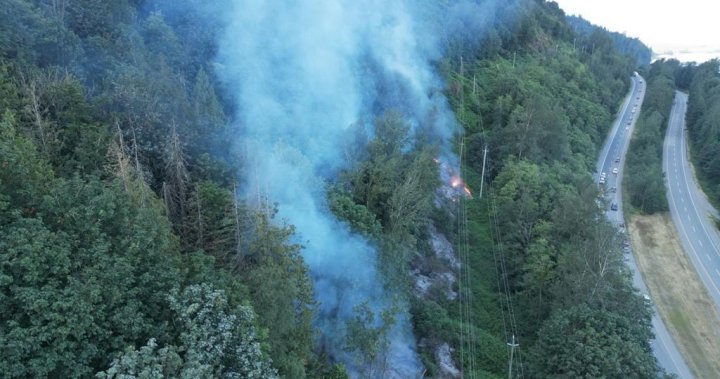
(617, 160)
(613, 189)
(614, 207)
(615, 171)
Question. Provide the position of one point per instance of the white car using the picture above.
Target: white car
(615, 170)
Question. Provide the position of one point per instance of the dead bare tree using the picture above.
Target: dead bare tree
(35, 86)
(176, 177)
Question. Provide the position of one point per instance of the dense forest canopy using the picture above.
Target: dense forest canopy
(624, 44)
(134, 242)
(703, 82)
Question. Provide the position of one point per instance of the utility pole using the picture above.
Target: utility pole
(512, 345)
(482, 175)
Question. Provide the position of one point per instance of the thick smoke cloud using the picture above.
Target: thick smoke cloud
(303, 72)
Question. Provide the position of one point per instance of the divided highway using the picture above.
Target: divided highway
(609, 172)
(691, 213)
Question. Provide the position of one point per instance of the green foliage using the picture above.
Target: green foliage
(392, 189)
(644, 179)
(23, 174)
(543, 106)
(624, 44)
(215, 341)
(281, 293)
(584, 343)
(109, 106)
(703, 124)
(88, 271)
(357, 215)
(369, 337)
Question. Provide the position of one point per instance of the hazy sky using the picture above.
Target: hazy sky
(662, 25)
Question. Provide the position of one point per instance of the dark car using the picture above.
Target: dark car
(613, 207)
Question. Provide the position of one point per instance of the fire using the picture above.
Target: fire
(456, 182)
(453, 178)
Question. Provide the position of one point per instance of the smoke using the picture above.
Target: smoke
(303, 72)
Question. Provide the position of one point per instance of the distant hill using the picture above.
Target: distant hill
(624, 44)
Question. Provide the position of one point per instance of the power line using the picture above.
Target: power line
(505, 288)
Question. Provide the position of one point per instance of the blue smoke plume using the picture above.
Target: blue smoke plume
(303, 72)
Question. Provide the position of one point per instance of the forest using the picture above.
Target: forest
(132, 244)
(702, 83)
(644, 184)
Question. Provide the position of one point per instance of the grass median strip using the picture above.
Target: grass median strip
(677, 292)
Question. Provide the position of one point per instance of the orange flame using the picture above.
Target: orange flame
(456, 181)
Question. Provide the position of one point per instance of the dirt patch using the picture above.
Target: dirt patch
(679, 296)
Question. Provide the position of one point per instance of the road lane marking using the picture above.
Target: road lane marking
(694, 230)
(700, 243)
(682, 228)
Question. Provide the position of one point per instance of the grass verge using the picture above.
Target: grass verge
(677, 292)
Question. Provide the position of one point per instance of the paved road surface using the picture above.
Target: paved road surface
(613, 156)
(689, 208)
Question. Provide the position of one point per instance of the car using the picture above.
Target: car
(626, 249)
(613, 189)
(615, 171)
(603, 174)
(602, 181)
(614, 207)
(617, 159)
(622, 225)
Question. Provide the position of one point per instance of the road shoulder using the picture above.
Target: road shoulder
(679, 296)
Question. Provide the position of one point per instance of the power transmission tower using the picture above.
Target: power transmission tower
(512, 345)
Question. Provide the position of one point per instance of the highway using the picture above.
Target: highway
(691, 212)
(612, 156)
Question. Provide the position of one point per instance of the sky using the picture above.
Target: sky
(664, 25)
